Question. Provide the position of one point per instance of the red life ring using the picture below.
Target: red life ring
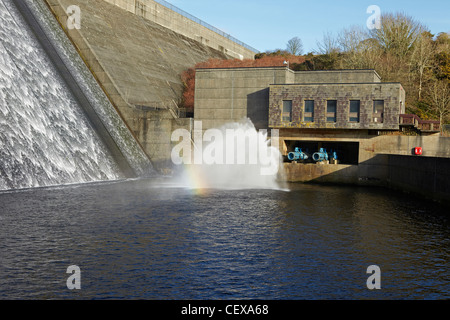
(418, 151)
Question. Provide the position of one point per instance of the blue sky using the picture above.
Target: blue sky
(268, 24)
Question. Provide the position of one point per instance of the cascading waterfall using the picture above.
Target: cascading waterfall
(45, 139)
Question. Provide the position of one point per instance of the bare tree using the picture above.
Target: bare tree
(398, 33)
(351, 39)
(422, 59)
(439, 95)
(295, 46)
(328, 45)
(360, 51)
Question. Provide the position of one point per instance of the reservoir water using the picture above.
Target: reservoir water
(149, 239)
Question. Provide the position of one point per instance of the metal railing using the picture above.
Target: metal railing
(204, 24)
(416, 122)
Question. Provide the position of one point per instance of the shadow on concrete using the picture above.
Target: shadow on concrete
(258, 108)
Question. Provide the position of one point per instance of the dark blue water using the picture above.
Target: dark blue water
(141, 240)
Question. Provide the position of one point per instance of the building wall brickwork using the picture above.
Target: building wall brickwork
(392, 94)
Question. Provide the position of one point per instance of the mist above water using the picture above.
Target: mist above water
(234, 156)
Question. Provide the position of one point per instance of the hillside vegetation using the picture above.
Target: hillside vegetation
(401, 50)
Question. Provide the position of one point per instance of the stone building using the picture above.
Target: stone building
(277, 97)
(336, 100)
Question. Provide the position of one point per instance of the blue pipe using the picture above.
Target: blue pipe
(322, 155)
(298, 154)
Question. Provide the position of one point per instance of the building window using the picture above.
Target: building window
(353, 115)
(287, 111)
(378, 111)
(331, 110)
(308, 115)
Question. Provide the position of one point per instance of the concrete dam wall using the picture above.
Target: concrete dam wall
(138, 63)
(173, 18)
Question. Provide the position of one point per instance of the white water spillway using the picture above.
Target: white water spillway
(46, 138)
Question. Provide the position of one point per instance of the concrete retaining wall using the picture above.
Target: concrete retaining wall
(432, 146)
(226, 95)
(181, 24)
(386, 161)
(427, 176)
(136, 60)
(155, 137)
(337, 76)
(323, 173)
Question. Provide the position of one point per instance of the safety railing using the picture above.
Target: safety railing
(422, 125)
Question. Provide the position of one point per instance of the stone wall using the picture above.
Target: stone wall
(229, 94)
(392, 94)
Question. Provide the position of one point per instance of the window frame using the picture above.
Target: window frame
(331, 116)
(286, 114)
(308, 116)
(378, 117)
(354, 114)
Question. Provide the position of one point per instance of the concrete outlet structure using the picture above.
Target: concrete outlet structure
(354, 118)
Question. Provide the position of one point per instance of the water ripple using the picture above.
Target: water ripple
(131, 242)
